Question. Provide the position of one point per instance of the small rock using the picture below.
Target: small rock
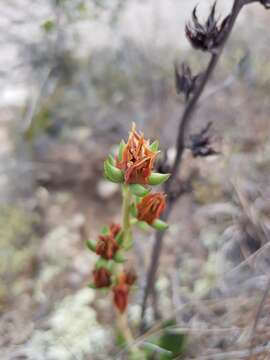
(106, 189)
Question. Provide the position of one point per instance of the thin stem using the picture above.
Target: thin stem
(125, 214)
(122, 320)
(124, 327)
(184, 122)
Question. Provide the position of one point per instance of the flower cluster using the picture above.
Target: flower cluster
(133, 167)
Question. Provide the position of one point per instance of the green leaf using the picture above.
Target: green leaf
(160, 225)
(112, 173)
(157, 178)
(110, 159)
(133, 210)
(119, 238)
(133, 221)
(92, 286)
(176, 343)
(167, 346)
(144, 226)
(121, 149)
(119, 257)
(139, 190)
(91, 244)
(102, 263)
(48, 25)
(154, 146)
(105, 230)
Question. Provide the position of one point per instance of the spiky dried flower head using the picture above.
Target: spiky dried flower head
(208, 36)
(185, 82)
(201, 143)
(137, 159)
(151, 207)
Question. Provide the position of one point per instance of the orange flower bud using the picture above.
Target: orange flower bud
(151, 207)
(137, 159)
(107, 245)
(102, 277)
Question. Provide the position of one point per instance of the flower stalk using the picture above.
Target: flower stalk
(127, 238)
(133, 168)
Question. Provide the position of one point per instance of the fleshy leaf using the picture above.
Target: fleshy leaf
(133, 221)
(139, 190)
(110, 159)
(102, 263)
(154, 146)
(121, 149)
(119, 238)
(92, 286)
(133, 210)
(119, 257)
(160, 225)
(157, 178)
(105, 230)
(91, 244)
(112, 173)
(143, 226)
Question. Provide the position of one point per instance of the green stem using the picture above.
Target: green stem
(126, 215)
(122, 318)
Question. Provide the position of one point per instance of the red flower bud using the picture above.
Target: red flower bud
(102, 277)
(107, 245)
(121, 290)
(151, 207)
(137, 159)
(120, 296)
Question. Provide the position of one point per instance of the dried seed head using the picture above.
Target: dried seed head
(185, 82)
(208, 36)
(201, 143)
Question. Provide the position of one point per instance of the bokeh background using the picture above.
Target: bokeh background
(74, 75)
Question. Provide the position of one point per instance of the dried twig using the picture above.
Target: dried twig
(180, 146)
(215, 47)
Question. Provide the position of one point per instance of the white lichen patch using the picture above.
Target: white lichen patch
(72, 333)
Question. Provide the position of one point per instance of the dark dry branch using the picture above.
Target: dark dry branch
(184, 122)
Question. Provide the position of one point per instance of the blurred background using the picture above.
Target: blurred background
(74, 75)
